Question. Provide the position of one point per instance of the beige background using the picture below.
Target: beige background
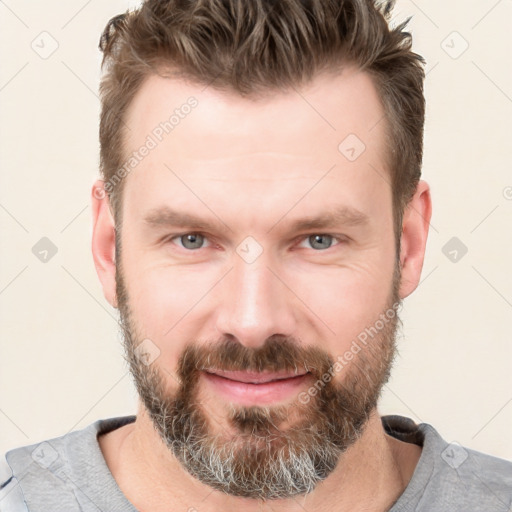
(61, 364)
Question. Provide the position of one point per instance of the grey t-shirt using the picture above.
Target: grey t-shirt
(69, 474)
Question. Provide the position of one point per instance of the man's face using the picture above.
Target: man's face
(245, 312)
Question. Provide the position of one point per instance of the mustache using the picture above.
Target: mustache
(278, 353)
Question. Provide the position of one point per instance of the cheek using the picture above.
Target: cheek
(344, 301)
(164, 304)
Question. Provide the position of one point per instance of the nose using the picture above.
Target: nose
(255, 303)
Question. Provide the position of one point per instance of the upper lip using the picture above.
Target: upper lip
(256, 377)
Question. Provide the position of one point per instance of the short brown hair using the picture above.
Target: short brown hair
(253, 46)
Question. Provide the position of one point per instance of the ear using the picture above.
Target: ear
(104, 241)
(415, 226)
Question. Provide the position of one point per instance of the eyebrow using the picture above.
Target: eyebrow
(339, 216)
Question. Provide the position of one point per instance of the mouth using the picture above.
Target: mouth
(256, 377)
(253, 388)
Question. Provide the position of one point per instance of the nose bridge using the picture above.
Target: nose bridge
(254, 286)
(255, 303)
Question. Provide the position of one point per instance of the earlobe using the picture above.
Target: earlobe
(415, 226)
(104, 241)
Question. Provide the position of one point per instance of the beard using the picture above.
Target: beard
(263, 452)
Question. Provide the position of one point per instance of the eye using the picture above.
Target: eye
(190, 241)
(321, 241)
(195, 241)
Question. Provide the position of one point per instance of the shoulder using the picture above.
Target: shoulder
(478, 475)
(451, 459)
(450, 476)
(55, 470)
(466, 479)
(11, 496)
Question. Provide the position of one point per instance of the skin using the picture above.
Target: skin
(257, 166)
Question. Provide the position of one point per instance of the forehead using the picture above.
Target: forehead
(331, 106)
(330, 133)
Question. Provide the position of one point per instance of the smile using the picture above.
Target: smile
(253, 388)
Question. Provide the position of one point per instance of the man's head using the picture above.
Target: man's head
(262, 264)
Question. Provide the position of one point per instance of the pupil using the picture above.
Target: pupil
(191, 241)
(323, 240)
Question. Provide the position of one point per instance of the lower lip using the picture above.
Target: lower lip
(256, 394)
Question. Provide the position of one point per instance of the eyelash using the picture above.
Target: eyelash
(340, 240)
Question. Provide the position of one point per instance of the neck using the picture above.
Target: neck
(370, 475)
